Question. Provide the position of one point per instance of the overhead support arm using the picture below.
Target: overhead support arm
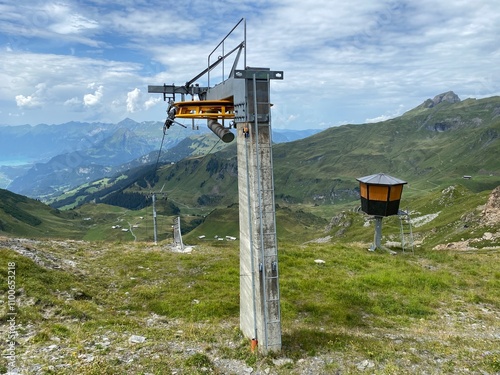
(222, 43)
(235, 64)
(170, 91)
(216, 63)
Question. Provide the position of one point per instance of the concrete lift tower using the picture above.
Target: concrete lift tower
(243, 97)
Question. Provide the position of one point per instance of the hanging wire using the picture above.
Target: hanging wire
(209, 152)
(199, 164)
(159, 151)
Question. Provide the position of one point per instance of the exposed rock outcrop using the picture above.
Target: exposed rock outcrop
(449, 97)
(491, 211)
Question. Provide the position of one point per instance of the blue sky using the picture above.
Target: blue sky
(345, 62)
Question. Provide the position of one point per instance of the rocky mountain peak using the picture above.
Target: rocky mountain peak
(449, 97)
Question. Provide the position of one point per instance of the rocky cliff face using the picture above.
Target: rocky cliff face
(491, 211)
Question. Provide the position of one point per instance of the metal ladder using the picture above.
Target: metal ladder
(406, 230)
(269, 260)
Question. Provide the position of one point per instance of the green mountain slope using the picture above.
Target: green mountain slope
(428, 147)
(22, 216)
(431, 147)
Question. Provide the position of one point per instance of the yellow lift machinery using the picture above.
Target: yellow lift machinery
(205, 109)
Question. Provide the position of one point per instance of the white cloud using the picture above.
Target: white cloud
(75, 24)
(73, 102)
(144, 23)
(95, 98)
(54, 21)
(27, 101)
(133, 100)
(151, 102)
(397, 112)
(34, 100)
(379, 118)
(344, 62)
(67, 21)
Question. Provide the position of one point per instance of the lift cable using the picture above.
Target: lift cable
(201, 161)
(159, 151)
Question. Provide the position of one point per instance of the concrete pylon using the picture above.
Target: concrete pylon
(260, 316)
(249, 90)
(259, 282)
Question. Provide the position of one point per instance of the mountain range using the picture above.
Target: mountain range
(44, 161)
(441, 143)
(430, 146)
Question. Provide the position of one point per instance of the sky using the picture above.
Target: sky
(344, 62)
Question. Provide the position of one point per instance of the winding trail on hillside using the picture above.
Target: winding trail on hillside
(131, 231)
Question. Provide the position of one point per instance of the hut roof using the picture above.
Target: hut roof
(381, 179)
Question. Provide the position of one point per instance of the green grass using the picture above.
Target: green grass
(458, 219)
(372, 284)
(339, 307)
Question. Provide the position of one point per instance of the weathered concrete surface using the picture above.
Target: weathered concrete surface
(259, 282)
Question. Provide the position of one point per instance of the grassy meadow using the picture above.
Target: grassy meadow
(80, 302)
(95, 295)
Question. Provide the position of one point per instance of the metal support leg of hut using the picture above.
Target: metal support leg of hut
(377, 238)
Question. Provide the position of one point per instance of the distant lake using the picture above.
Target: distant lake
(15, 162)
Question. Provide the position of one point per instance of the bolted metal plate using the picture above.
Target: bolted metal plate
(259, 74)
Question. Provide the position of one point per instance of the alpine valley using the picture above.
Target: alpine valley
(444, 143)
(97, 294)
